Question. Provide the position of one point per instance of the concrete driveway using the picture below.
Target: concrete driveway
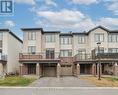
(61, 82)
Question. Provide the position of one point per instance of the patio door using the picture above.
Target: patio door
(50, 54)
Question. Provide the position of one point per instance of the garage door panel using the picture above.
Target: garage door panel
(49, 71)
(66, 70)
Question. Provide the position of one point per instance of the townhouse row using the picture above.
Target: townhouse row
(52, 53)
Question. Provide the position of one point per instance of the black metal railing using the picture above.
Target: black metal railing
(82, 57)
(107, 55)
(3, 57)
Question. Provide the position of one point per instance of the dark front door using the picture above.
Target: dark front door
(50, 54)
(85, 68)
(82, 69)
(31, 68)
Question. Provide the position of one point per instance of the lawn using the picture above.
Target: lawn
(104, 82)
(16, 81)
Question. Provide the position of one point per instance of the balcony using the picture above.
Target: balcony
(38, 56)
(66, 60)
(3, 57)
(83, 57)
(107, 56)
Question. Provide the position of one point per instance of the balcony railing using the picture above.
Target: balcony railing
(107, 56)
(65, 60)
(3, 57)
(38, 56)
(83, 57)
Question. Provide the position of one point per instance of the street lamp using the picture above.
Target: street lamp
(99, 63)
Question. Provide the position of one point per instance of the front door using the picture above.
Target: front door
(50, 54)
(31, 68)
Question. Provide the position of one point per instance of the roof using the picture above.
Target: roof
(80, 33)
(114, 31)
(72, 33)
(7, 30)
(51, 32)
(97, 28)
(4, 30)
(27, 29)
(66, 34)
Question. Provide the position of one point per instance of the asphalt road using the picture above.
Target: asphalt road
(58, 91)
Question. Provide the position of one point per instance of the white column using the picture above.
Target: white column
(58, 70)
(38, 69)
(116, 69)
(94, 69)
(21, 68)
(78, 70)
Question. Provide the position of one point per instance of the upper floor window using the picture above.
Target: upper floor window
(81, 53)
(66, 53)
(113, 50)
(101, 50)
(113, 38)
(65, 40)
(31, 35)
(99, 37)
(1, 35)
(50, 38)
(81, 39)
(31, 49)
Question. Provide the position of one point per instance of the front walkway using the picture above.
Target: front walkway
(61, 82)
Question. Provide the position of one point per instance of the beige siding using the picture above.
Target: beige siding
(91, 39)
(54, 45)
(77, 46)
(90, 44)
(37, 42)
(14, 48)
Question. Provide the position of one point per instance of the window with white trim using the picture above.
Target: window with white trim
(65, 53)
(49, 38)
(65, 40)
(31, 35)
(99, 37)
(81, 39)
(31, 49)
(113, 38)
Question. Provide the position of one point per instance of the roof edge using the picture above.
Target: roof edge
(9, 31)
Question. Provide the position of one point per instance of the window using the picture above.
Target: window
(113, 50)
(65, 40)
(101, 50)
(81, 53)
(113, 38)
(81, 39)
(99, 37)
(31, 49)
(31, 35)
(66, 53)
(1, 35)
(50, 38)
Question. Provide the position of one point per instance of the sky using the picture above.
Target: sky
(62, 15)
